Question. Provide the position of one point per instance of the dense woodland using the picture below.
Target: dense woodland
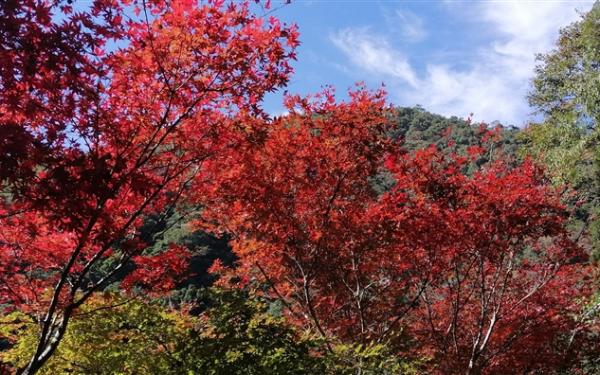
(155, 220)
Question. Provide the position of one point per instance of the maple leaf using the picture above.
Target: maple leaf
(468, 265)
(95, 138)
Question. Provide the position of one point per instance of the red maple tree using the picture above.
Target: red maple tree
(107, 112)
(476, 267)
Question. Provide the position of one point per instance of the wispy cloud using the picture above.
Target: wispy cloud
(494, 84)
(406, 24)
(374, 54)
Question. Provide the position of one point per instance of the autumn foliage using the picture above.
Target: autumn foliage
(114, 111)
(467, 265)
(94, 136)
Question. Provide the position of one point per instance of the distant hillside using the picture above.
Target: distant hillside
(420, 128)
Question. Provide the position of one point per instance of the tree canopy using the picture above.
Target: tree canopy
(155, 219)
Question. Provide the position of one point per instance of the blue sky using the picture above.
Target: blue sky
(454, 57)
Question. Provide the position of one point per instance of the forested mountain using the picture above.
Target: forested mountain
(420, 129)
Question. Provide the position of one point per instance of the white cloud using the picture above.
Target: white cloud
(406, 24)
(480, 90)
(374, 54)
(495, 84)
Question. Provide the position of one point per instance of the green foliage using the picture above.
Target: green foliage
(240, 336)
(124, 339)
(371, 359)
(159, 231)
(567, 93)
(419, 129)
(585, 343)
(563, 149)
(567, 82)
(135, 337)
(237, 335)
(173, 227)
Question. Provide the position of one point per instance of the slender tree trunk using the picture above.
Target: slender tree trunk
(39, 360)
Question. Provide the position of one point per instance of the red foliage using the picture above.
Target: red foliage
(104, 119)
(501, 285)
(475, 267)
(151, 270)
